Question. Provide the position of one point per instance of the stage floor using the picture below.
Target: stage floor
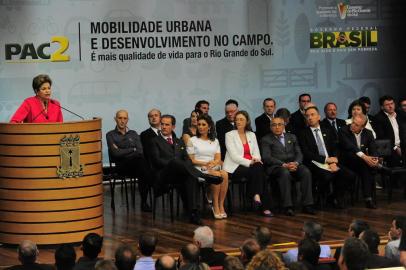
(122, 226)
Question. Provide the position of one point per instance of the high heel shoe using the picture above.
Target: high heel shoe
(216, 216)
(224, 215)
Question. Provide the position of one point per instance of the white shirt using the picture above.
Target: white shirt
(155, 130)
(358, 139)
(321, 138)
(395, 126)
(203, 150)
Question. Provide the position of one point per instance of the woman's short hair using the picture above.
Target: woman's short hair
(210, 123)
(40, 80)
(356, 102)
(247, 117)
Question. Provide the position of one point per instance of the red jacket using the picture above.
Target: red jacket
(32, 111)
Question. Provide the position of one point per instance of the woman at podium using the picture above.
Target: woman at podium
(39, 108)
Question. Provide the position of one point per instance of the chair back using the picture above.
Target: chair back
(383, 148)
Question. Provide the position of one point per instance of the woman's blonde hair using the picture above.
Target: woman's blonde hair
(266, 259)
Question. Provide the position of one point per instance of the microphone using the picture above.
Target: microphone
(41, 112)
(55, 103)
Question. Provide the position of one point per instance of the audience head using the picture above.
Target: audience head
(242, 121)
(402, 104)
(387, 104)
(366, 101)
(168, 124)
(193, 117)
(202, 106)
(203, 237)
(354, 255)
(266, 259)
(147, 243)
(190, 254)
(125, 258)
(65, 257)
(312, 116)
(154, 118)
(283, 113)
(121, 119)
(249, 248)
(232, 263)
(269, 106)
(277, 125)
(204, 125)
(371, 238)
(398, 223)
(304, 99)
(27, 252)
(165, 262)
(40, 81)
(357, 227)
(358, 123)
(92, 245)
(231, 108)
(309, 251)
(105, 265)
(263, 236)
(312, 230)
(330, 110)
(356, 107)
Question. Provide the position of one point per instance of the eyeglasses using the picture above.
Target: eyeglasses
(277, 124)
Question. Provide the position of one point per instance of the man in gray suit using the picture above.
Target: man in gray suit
(283, 158)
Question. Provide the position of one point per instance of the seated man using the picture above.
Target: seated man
(172, 165)
(125, 149)
(319, 149)
(146, 246)
(371, 238)
(359, 154)
(27, 255)
(154, 120)
(314, 231)
(354, 255)
(204, 239)
(282, 155)
(308, 253)
(263, 236)
(395, 234)
(165, 262)
(91, 247)
(125, 257)
(249, 249)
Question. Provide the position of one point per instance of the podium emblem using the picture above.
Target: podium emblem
(70, 157)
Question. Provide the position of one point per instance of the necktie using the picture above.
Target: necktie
(169, 139)
(282, 140)
(334, 125)
(319, 143)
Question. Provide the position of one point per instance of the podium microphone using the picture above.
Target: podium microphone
(53, 102)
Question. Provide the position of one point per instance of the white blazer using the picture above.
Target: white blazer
(235, 150)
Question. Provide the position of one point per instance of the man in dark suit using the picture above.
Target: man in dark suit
(319, 147)
(298, 119)
(331, 121)
(203, 106)
(204, 238)
(154, 119)
(126, 151)
(171, 164)
(226, 124)
(281, 154)
(358, 152)
(388, 127)
(263, 122)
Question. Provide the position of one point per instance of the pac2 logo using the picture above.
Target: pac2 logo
(28, 52)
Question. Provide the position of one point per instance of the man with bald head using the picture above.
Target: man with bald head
(165, 262)
(27, 255)
(125, 149)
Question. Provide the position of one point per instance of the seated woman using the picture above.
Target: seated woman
(244, 160)
(39, 108)
(204, 151)
(192, 128)
(356, 107)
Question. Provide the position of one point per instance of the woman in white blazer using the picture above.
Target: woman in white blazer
(244, 160)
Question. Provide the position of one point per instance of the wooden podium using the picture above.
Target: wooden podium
(35, 203)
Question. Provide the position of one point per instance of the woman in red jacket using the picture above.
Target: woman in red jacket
(39, 108)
